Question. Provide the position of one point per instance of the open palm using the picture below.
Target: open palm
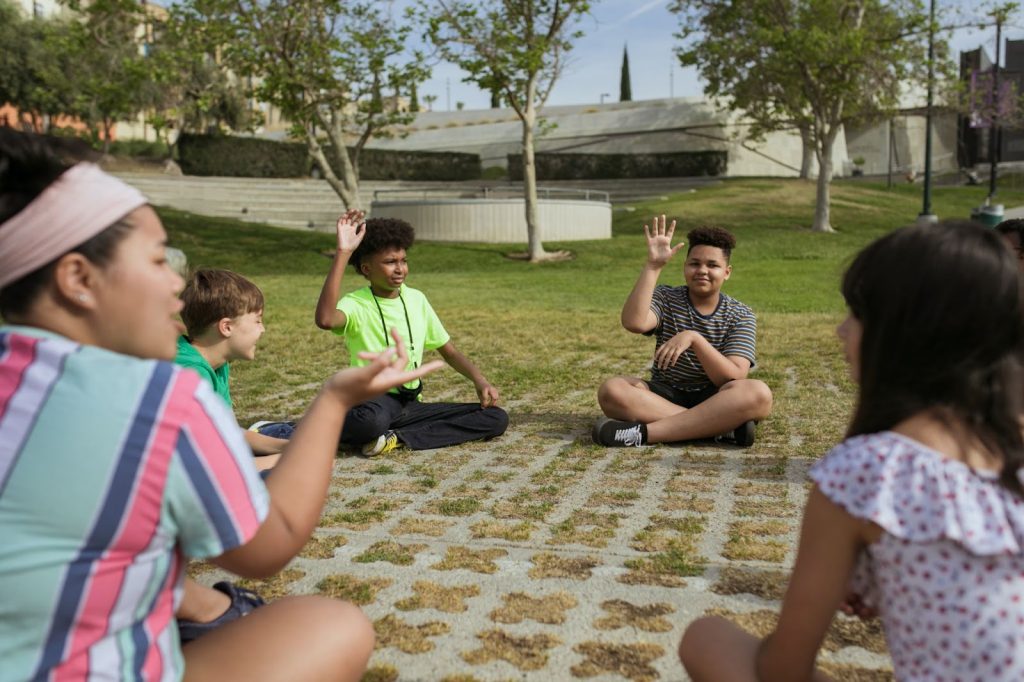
(659, 241)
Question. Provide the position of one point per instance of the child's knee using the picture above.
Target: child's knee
(700, 637)
(342, 629)
(761, 397)
(363, 423)
(499, 420)
(611, 392)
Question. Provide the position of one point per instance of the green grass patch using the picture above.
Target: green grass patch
(547, 334)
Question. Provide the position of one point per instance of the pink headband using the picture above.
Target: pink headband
(80, 204)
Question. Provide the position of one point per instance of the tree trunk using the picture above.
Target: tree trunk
(807, 152)
(107, 125)
(535, 248)
(347, 186)
(822, 199)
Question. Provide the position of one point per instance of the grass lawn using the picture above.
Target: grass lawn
(547, 334)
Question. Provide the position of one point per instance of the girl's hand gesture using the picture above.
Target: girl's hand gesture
(351, 230)
(659, 242)
(387, 370)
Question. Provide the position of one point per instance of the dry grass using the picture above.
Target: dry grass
(525, 653)
(550, 609)
(430, 595)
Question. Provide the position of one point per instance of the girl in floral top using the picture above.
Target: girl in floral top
(918, 515)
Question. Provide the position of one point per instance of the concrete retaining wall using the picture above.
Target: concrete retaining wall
(499, 221)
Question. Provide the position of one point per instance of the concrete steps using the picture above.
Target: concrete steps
(308, 204)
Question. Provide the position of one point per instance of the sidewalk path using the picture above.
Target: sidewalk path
(541, 556)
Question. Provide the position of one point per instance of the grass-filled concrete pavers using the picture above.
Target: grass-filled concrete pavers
(539, 552)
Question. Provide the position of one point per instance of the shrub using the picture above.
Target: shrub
(252, 157)
(494, 173)
(148, 149)
(243, 157)
(552, 166)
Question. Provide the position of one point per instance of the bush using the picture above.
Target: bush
(252, 157)
(551, 166)
(147, 149)
(494, 173)
(387, 164)
(242, 157)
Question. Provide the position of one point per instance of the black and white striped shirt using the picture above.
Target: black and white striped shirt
(731, 329)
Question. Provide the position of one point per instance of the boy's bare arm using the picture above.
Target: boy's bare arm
(487, 393)
(721, 369)
(636, 312)
(264, 445)
(350, 231)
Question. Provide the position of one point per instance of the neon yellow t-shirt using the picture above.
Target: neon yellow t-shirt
(363, 330)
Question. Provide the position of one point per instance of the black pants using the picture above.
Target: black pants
(422, 426)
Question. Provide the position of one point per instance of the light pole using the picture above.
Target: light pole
(993, 141)
(926, 215)
(990, 213)
(603, 95)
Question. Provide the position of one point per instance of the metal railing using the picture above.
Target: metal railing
(484, 192)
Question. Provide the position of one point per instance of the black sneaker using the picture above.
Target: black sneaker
(243, 602)
(619, 434)
(742, 435)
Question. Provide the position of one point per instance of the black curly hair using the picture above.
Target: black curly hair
(711, 236)
(382, 233)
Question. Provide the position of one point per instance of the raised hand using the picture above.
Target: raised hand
(659, 242)
(387, 370)
(351, 230)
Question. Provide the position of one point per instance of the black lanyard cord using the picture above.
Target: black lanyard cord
(384, 325)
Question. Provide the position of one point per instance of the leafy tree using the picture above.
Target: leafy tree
(517, 47)
(34, 66)
(625, 88)
(323, 63)
(107, 69)
(810, 64)
(187, 89)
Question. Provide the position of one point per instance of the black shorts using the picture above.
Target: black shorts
(683, 398)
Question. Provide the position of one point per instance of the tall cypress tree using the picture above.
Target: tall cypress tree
(625, 90)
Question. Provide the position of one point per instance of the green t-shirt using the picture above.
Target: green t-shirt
(189, 357)
(363, 330)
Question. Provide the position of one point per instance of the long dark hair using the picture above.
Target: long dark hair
(30, 163)
(940, 307)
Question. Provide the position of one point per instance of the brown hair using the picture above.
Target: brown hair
(212, 295)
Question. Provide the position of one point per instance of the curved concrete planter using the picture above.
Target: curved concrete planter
(498, 221)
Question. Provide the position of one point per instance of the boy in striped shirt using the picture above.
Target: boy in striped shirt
(704, 351)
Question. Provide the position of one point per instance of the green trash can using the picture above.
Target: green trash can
(989, 216)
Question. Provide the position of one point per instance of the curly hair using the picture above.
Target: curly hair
(382, 233)
(711, 236)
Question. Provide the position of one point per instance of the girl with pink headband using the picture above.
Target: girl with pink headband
(116, 465)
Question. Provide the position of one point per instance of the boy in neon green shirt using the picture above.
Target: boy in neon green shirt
(377, 250)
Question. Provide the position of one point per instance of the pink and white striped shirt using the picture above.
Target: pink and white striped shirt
(112, 471)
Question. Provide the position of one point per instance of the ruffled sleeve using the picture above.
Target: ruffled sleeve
(916, 494)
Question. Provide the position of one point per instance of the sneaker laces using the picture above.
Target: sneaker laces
(631, 437)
